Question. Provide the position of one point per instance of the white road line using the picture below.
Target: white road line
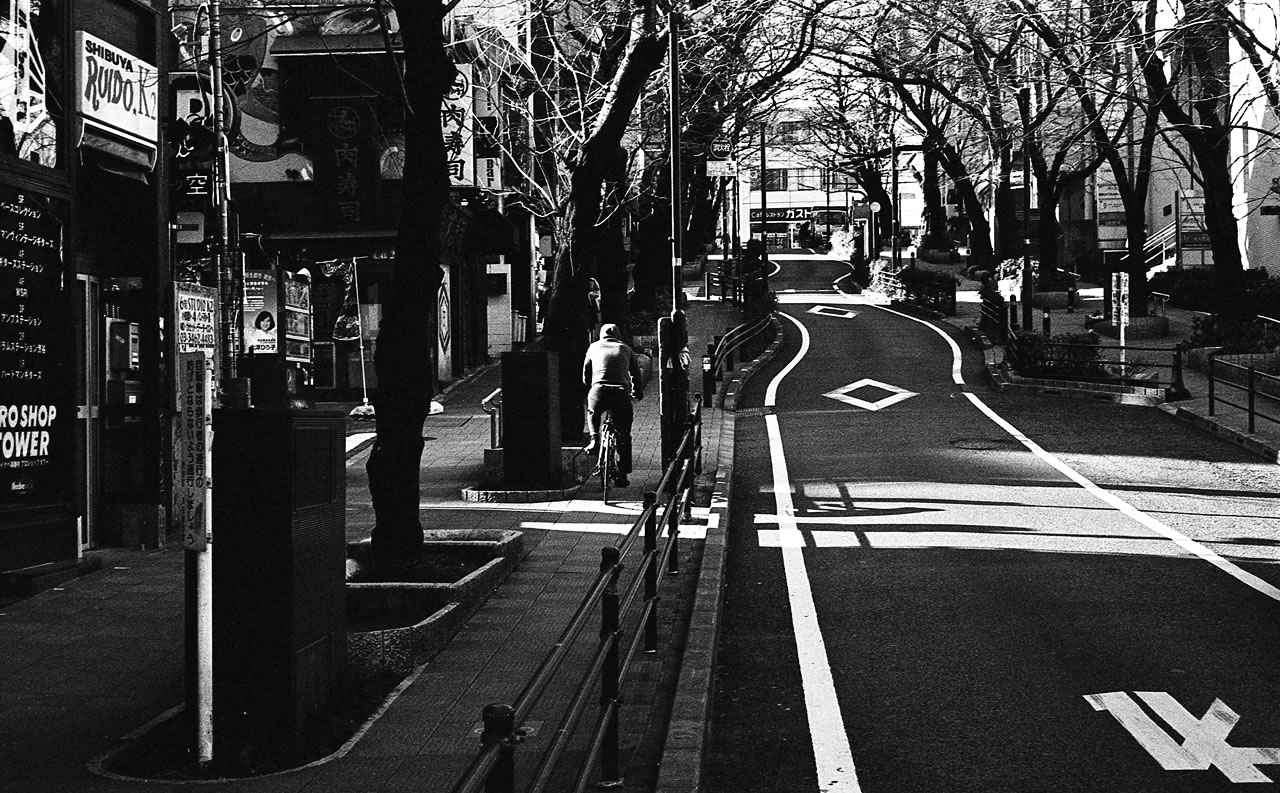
(827, 731)
(1117, 503)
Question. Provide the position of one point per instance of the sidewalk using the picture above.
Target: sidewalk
(1227, 422)
(86, 663)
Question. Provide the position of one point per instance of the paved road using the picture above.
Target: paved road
(934, 587)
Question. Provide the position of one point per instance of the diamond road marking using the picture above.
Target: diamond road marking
(896, 394)
(832, 311)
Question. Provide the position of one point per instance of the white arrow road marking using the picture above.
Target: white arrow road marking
(831, 751)
(896, 394)
(830, 311)
(1204, 740)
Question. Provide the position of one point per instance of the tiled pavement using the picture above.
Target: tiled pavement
(94, 659)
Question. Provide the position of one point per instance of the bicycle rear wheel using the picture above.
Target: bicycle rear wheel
(606, 464)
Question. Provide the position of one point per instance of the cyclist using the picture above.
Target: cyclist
(613, 374)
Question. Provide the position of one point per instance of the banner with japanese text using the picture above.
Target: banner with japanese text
(346, 159)
(36, 415)
(459, 126)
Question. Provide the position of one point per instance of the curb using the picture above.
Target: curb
(1252, 443)
(680, 769)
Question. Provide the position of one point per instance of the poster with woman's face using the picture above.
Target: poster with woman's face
(261, 311)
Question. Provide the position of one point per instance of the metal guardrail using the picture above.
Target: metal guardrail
(492, 405)
(724, 352)
(494, 769)
(1253, 379)
(1090, 363)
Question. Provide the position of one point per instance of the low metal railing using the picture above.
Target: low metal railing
(492, 405)
(1253, 386)
(616, 597)
(1100, 363)
(723, 356)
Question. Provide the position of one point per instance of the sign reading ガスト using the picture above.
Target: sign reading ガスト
(34, 410)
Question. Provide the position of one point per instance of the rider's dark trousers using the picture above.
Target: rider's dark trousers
(616, 399)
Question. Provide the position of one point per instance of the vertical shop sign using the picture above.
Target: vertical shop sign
(261, 311)
(346, 161)
(192, 445)
(35, 414)
(458, 128)
(196, 318)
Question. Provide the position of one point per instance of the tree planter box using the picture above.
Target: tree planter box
(401, 648)
(1138, 328)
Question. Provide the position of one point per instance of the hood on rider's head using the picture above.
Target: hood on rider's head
(610, 331)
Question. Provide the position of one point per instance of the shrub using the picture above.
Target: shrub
(1067, 355)
(1234, 337)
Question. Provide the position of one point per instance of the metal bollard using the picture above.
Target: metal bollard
(1044, 322)
(708, 377)
(610, 685)
(651, 570)
(500, 727)
(1252, 406)
(673, 533)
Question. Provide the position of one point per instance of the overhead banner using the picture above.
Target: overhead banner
(346, 159)
(458, 114)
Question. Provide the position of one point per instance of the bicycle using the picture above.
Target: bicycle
(606, 455)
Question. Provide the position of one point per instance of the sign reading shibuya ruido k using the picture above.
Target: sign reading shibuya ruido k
(36, 420)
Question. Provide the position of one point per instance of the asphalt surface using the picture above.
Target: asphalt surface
(916, 599)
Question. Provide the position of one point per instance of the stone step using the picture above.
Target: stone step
(27, 581)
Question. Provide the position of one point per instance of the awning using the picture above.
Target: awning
(127, 154)
(353, 44)
(331, 234)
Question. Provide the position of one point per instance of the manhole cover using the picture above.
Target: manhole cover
(985, 444)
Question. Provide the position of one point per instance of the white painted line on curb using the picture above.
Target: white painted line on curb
(827, 731)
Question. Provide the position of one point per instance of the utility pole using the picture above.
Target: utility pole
(673, 341)
(764, 210)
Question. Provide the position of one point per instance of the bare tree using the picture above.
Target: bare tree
(403, 357)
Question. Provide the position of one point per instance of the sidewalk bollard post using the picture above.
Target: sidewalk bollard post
(1251, 401)
(500, 727)
(610, 686)
(708, 378)
(673, 533)
(1211, 381)
(1178, 389)
(651, 570)
(695, 423)
(1044, 323)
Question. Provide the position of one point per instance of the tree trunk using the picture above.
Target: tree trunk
(405, 338)
(935, 213)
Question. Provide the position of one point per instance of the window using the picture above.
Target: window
(31, 113)
(775, 179)
(790, 131)
(806, 179)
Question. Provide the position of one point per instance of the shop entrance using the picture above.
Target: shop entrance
(88, 407)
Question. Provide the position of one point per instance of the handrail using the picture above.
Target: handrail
(493, 767)
(1250, 387)
(736, 338)
(492, 405)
